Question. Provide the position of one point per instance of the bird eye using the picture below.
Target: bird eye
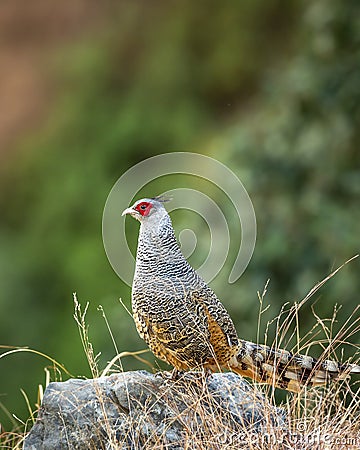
(143, 208)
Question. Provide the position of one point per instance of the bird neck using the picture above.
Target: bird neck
(157, 245)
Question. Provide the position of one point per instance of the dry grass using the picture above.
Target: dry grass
(53, 372)
(316, 418)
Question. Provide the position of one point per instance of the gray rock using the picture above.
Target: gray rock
(139, 410)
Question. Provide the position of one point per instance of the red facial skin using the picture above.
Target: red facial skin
(143, 208)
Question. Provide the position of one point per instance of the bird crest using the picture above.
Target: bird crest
(162, 198)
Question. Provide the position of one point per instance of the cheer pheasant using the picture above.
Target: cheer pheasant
(184, 323)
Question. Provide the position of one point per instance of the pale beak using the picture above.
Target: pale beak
(128, 211)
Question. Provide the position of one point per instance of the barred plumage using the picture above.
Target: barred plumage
(185, 324)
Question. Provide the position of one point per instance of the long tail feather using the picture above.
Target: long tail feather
(285, 370)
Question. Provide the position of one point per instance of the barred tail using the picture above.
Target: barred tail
(285, 370)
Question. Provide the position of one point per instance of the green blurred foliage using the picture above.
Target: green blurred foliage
(271, 89)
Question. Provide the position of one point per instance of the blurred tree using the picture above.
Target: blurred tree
(298, 149)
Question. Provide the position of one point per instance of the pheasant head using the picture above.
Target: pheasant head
(151, 214)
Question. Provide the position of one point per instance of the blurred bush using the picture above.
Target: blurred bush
(269, 88)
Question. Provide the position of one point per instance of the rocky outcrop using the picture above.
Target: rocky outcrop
(139, 410)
